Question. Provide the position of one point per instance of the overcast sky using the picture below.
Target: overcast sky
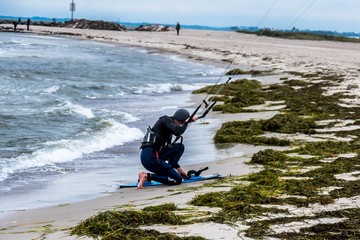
(333, 15)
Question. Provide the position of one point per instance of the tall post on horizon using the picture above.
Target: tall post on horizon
(72, 9)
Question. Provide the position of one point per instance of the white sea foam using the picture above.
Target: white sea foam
(125, 117)
(87, 112)
(140, 50)
(52, 89)
(91, 97)
(177, 58)
(166, 87)
(68, 106)
(67, 150)
(168, 107)
(40, 37)
(20, 41)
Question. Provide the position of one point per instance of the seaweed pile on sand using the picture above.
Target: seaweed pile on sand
(309, 191)
(125, 224)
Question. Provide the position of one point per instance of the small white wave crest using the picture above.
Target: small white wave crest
(165, 87)
(66, 150)
(67, 107)
(87, 112)
(125, 117)
(52, 89)
(19, 41)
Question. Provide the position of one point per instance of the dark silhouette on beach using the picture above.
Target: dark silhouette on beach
(16, 23)
(177, 28)
(28, 21)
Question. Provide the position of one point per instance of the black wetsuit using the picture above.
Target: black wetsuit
(161, 158)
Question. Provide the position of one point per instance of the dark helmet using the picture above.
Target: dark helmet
(181, 115)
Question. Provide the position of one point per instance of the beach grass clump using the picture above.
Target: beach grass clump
(162, 207)
(273, 158)
(301, 192)
(241, 86)
(235, 71)
(147, 234)
(269, 186)
(238, 131)
(240, 94)
(249, 132)
(232, 211)
(338, 166)
(355, 134)
(347, 226)
(324, 176)
(341, 165)
(125, 224)
(244, 201)
(302, 97)
(296, 83)
(210, 89)
(235, 95)
(301, 35)
(238, 71)
(308, 100)
(289, 123)
(349, 189)
(328, 148)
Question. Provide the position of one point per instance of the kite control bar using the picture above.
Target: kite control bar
(208, 106)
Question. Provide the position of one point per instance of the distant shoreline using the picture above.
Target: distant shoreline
(224, 48)
(129, 25)
(253, 29)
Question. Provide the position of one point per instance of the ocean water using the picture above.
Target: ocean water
(73, 112)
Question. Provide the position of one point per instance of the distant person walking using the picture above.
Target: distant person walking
(28, 21)
(16, 23)
(177, 28)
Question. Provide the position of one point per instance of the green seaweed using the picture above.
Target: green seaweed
(280, 182)
(348, 228)
(163, 207)
(246, 132)
(308, 100)
(272, 158)
(147, 234)
(302, 35)
(245, 201)
(328, 148)
(244, 197)
(289, 123)
(249, 131)
(283, 180)
(238, 71)
(105, 223)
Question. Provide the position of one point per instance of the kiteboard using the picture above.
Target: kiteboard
(192, 178)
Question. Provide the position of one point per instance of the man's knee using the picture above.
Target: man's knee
(176, 180)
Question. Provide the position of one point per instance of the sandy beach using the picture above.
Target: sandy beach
(214, 47)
